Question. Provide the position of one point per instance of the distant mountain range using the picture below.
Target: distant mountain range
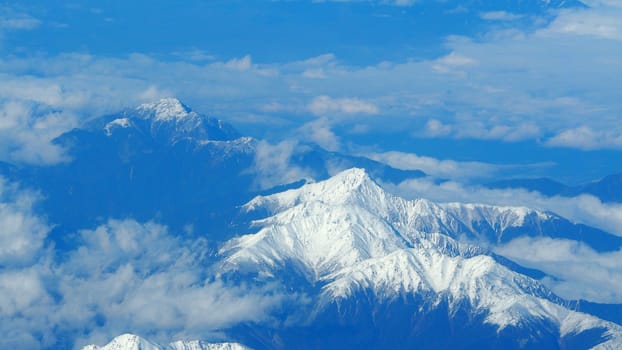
(607, 189)
(164, 161)
(134, 342)
(368, 269)
(374, 277)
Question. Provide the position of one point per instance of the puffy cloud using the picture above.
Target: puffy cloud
(138, 277)
(124, 276)
(27, 133)
(581, 272)
(586, 138)
(436, 128)
(320, 132)
(23, 232)
(273, 164)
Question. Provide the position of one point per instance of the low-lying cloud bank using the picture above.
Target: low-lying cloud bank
(123, 276)
(582, 272)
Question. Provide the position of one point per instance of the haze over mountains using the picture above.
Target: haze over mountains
(606, 189)
(339, 261)
(164, 161)
(334, 174)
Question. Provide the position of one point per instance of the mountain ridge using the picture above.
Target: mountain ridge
(337, 235)
(134, 342)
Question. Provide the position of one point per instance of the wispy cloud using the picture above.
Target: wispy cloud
(603, 24)
(325, 106)
(500, 16)
(449, 169)
(586, 138)
(13, 20)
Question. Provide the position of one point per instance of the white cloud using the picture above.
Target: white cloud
(602, 22)
(122, 276)
(439, 168)
(448, 63)
(273, 165)
(319, 131)
(586, 138)
(125, 277)
(23, 233)
(26, 133)
(500, 16)
(241, 64)
(435, 128)
(9, 20)
(325, 105)
(582, 272)
(507, 85)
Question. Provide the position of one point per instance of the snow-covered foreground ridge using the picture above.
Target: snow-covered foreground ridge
(134, 342)
(348, 235)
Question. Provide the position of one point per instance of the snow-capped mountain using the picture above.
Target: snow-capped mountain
(164, 161)
(481, 224)
(170, 120)
(364, 248)
(134, 342)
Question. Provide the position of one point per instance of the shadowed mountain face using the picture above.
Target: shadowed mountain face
(163, 162)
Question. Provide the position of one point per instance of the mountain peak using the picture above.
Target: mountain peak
(165, 109)
(134, 342)
(126, 342)
(167, 120)
(342, 187)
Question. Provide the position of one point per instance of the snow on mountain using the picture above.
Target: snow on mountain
(505, 297)
(170, 120)
(201, 345)
(166, 109)
(355, 193)
(349, 236)
(134, 342)
(126, 342)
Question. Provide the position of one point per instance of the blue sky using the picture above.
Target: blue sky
(508, 83)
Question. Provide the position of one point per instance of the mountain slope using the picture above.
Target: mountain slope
(368, 257)
(482, 224)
